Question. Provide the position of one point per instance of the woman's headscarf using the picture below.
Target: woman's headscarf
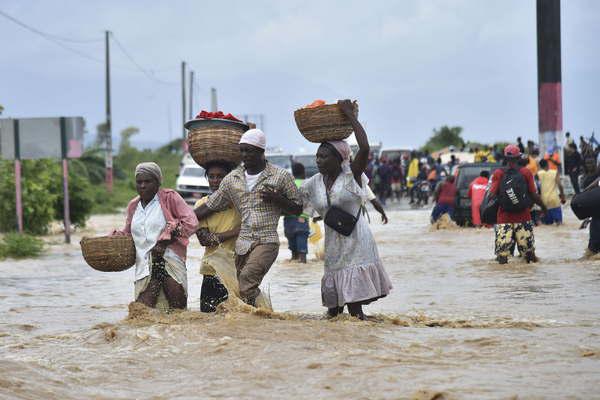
(342, 149)
(150, 168)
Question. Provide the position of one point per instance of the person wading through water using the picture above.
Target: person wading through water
(552, 194)
(445, 198)
(296, 227)
(261, 193)
(219, 229)
(160, 223)
(476, 194)
(514, 188)
(354, 274)
(590, 181)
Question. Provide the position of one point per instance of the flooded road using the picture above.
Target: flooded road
(456, 326)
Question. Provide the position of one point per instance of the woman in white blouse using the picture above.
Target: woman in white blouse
(354, 274)
(160, 223)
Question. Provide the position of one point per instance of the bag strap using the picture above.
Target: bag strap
(360, 209)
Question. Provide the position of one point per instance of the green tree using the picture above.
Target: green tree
(444, 137)
(94, 162)
(38, 203)
(101, 134)
(42, 195)
(81, 196)
(126, 135)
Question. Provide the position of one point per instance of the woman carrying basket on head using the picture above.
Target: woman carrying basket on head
(160, 223)
(354, 275)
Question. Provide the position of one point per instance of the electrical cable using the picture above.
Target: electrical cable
(59, 39)
(148, 74)
(51, 38)
(45, 34)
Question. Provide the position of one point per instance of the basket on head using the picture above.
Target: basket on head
(324, 123)
(215, 140)
(108, 253)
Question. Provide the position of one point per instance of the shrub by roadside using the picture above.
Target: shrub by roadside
(20, 246)
(42, 194)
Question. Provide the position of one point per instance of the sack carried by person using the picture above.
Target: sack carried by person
(339, 220)
(489, 208)
(587, 204)
(513, 195)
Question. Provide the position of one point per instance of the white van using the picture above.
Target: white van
(191, 182)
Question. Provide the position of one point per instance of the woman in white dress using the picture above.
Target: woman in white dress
(354, 275)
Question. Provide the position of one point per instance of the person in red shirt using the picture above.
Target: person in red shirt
(514, 226)
(476, 194)
(445, 198)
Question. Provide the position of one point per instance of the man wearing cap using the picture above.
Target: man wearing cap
(514, 226)
(553, 158)
(261, 193)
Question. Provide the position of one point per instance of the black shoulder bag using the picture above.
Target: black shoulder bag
(339, 220)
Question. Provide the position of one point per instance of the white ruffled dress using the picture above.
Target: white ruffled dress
(353, 270)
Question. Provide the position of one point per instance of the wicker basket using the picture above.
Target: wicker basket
(108, 253)
(324, 123)
(215, 140)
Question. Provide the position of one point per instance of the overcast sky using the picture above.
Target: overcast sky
(412, 65)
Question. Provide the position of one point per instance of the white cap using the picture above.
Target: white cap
(254, 137)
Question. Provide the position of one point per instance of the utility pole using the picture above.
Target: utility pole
(549, 75)
(191, 107)
(169, 124)
(183, 113)
(108, 162)
(214, 107)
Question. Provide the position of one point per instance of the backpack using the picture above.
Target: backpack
(513, 195)
(489, 208)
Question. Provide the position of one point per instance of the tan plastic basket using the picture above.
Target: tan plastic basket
(324, 123)
(215, 140)
(108, 253)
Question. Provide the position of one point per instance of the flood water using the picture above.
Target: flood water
(456, 326)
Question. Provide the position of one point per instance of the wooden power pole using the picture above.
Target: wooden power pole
(108, 158)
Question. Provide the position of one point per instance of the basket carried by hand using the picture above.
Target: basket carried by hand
(108, 253)
(215, 140)
(324, 123)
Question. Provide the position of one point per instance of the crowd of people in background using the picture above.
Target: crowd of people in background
(416, 176)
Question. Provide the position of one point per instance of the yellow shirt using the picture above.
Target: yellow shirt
(413, 171)
(532, 165)
(218, 222)
(549, 188)
(479, 156)
(484, 154)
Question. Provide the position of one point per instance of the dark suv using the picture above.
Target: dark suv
(466, 174)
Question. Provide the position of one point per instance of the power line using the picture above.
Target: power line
(58, 41)
(148, 74)
(45, 34)
(51, 38)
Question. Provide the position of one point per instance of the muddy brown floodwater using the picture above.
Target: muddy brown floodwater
(456, 326)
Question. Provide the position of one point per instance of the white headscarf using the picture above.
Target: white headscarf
(254, 137)
(343, 149)
(150, 168)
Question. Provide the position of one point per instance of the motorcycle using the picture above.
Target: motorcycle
(422, 193)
